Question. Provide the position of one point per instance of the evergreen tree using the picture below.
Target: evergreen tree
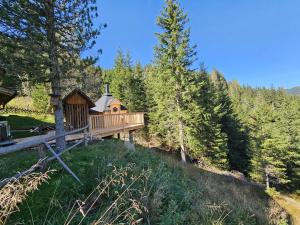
(173, 58)
(44, 39)
(181, 112)
(207, 142)
(272, 118)
(40, 97)
(127, 82)
(237, 142)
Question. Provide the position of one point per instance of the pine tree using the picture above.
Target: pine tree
(207, 142)
(181, 113)
(173, 58)
(237, 142)
(44, 40)
(127, 82)
(40, 98)
(272, 118)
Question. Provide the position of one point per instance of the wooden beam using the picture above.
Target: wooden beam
(35, 142)
(62, 162)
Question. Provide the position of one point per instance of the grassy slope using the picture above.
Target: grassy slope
(174, 193)
(26, 122)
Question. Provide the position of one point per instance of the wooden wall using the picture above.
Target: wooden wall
(76, 111)
(76, 99)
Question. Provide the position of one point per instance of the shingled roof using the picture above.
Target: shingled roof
(103, 103)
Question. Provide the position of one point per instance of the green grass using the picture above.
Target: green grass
(22, 102)
(16, 162)
(171, 192)
(26, 122)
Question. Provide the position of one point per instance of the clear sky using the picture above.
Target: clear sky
(256, 42)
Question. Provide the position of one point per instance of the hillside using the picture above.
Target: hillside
(143, 185)
(294, 91)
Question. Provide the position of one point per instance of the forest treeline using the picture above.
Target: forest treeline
(252, 130)
(195, 112)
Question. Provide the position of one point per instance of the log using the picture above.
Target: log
(22, 174)
(35, 142)
(62, 162)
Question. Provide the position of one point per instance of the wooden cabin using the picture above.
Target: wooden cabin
(6, 95)
(76, 109)
(108, 104)
(105, 118)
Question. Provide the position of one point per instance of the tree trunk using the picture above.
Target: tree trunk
(267, 178)
(181, 140)
(180, 126)
(58, 113)
(55, 74)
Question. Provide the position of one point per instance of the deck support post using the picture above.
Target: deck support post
(130, 143)
(130, 137)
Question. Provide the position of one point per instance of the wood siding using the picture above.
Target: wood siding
(76, 111)
(76, 115)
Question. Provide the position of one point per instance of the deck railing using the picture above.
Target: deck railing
(115, 120)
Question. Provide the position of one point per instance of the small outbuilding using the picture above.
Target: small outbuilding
(6, 95)
(108, 104)
(76, 109)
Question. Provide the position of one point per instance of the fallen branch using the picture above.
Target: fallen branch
(23, 174)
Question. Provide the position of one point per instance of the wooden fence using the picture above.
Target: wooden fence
(41, 142)
(97, 122)
(10, 109)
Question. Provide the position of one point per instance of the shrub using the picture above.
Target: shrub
(41, 98)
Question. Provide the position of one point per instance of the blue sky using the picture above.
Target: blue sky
(256, 42)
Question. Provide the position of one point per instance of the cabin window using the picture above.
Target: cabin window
(115, 109)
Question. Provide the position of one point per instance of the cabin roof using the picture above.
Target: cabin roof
(82, 94)
(6, 95)
(103, 103)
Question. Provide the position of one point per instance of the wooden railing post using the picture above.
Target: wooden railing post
(90, 123)
(85, 137)
(42, 153)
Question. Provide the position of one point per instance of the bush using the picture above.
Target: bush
(41, 98)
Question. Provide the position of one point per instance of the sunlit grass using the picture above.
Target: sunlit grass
(21, 123)
(173, 193)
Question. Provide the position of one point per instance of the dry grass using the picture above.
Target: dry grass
(292, 206)
(16, 191)
(227, 192)
(126, 204)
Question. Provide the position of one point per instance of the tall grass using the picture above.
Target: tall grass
(16, 191)
(143, 187)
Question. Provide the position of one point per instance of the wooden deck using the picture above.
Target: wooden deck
(102, 126)
(107, 125)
